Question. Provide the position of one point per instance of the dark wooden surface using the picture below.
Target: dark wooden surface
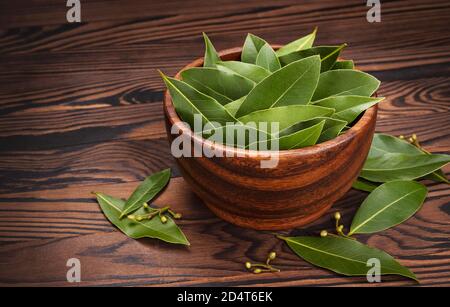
(81, 110)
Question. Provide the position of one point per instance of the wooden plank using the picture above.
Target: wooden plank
(49, 230)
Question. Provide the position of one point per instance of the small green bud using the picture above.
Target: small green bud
(257, 271)
(177, 216)
(139, 218)
(340, 228)
(163, 219)
(145, 205)
(248, 265)
(272, 255)
(323, 233)
(131, 217)
(337, 216)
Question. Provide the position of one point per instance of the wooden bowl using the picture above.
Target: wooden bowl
(301, 188)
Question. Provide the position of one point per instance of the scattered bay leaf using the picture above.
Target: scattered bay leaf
(388, 205)
(345, 64)
(364, 185)
(344, 256)
(398, 166)
(154, 228)
(145, 192)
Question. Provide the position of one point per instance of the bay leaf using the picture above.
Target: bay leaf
(221, 85)
(251, 47)
(145, 192)
(236, 135)
(286, 116)
(268, 59)
(388, 205)
(331, 128)
(233, 106)
(250, 71)
(345, 82)
(364, 185)
(154, 228)
(188, 102)
(211, 55)
(348, 107)
(328, 55)
(304, 42)
(302, 138)
(398, 166)
(345, 64)
(344, 256)
(384, 143)
(294, 84)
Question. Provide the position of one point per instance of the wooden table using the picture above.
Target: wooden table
(80, 111)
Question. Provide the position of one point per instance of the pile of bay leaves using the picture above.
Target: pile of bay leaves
(311, 95)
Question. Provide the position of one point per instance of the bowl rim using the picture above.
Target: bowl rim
(174, 119)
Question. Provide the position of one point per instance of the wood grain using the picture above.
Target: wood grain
(81, 110)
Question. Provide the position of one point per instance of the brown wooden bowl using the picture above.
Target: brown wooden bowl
(301, 188)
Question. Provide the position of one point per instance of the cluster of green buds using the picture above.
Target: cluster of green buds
(258, 268)
(154, 212)
(339, 227)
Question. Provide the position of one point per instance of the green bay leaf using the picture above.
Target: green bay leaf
(398, 166)
(188, 102)
(223, 86)
(345, 82)
(298, 139)
(211, 55)
(348, 107)
(388, 205)
(345, 64)
(384, 143)
(233, 106)
(236, 135)
(344, 256)
(293, 84)
(154, 228)
(251, 47)
(364, 185)
(331, 128)
(146, 191)
(286, 116)
(268, 59)
(250, 71)
(304, 42)
(328, 56)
